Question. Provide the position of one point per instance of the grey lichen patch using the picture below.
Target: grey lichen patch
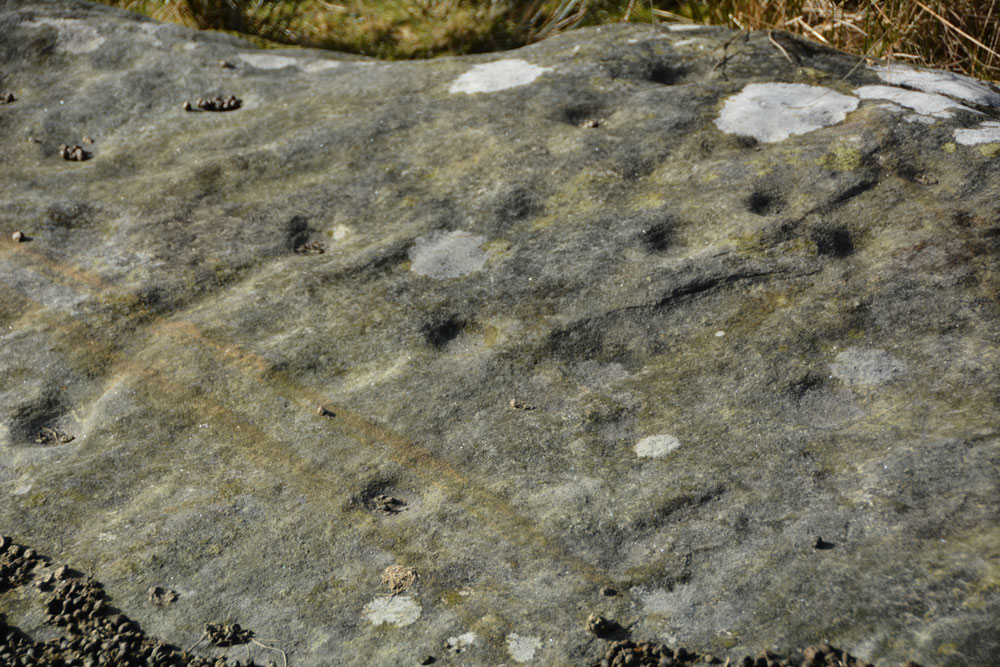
(866, 367)
(940, 82)
(448, 254)
(397, 610)
(772, 112)
(268, 61)
(496, 76)
(522, 648)
(75, 36)
(656, 446)
(926, 104)
(988, 132)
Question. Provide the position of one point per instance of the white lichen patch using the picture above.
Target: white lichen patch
(461, 642)
(685, 26)
(987, 133)
(500, 75)
(522, 649)
(917, 118)
(943, 83)
(927, 104)
(75, 36)
(447, 254)
(656, 446)
(866, 367)
(400, 610)
(774, 111)
(321, 65)
(268, 61)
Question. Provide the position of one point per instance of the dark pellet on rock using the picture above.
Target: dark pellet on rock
(607, 591)
(598, 625)
(73, 153)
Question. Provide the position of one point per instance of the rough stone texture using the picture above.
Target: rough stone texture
(499, 275)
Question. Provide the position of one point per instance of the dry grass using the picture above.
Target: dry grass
(959, 35)
(398, 578)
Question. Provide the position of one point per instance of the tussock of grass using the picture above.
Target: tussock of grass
(958, 35)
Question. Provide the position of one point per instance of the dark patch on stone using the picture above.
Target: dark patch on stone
(580, 340)
(658, 237)
(823, 545)
(851, 192)
(514, 205)
(666, 73)
(297, 232)
(808, 382)
(69, 215)
(765, 202)
(833, 241)
(442, 330)
(581, 113)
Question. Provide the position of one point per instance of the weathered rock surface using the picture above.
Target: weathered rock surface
(693, 316)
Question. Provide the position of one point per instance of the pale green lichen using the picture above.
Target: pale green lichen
(841, 158)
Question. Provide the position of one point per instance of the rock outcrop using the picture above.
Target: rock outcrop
(689, 331)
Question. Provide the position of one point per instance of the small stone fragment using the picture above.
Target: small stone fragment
(17, 236)
(324, 412)
(388, 504)
(87, 139)
(428, 660)
(520, 405)
(8, 97)
(161, 596)
(186, 106)
(310, 248)
(51, 436)
(73, 153)
(607, 591)
(225, 64)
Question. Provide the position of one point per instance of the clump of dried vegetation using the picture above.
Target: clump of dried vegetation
(958, 35)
